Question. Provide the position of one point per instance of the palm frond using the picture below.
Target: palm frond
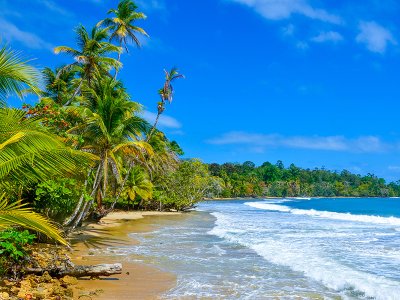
(15, 74)
(17, 214)
(66, 49)
(28, 153)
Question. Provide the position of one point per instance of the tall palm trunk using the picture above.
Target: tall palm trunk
(122, 186)
(78, 89)
(119, 60)
(101, 194)
(154, 127)
(160, 110)
(81, 215)
(88, 204)
(79, 205)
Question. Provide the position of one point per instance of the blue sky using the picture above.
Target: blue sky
(313, 82)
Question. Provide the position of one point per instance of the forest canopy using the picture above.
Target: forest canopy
(276, 180)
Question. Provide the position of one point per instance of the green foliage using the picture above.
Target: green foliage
(174, 147)
(29, 153)
(186, 186)
(13, 248)
(51, 115)
(13, 243)
(84, 127)
(60, 84)
(92, 57)
(138, 186)
(57, 198)
(17, 214)
(122, 25)
(277, 181)
(111, 129)
(15, 74)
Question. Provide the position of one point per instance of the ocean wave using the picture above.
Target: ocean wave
(332, 274)
(301, 198)
(304, 258)
(328, 214)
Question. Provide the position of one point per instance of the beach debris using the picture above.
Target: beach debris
(48, 273)
(79, 271)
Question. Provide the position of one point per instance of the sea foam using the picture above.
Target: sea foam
(328, 214)
(305, 258)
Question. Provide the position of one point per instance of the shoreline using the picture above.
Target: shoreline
(138, 280)
(298, 198)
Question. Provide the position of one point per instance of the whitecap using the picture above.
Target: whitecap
(328, 214)
(305, 258)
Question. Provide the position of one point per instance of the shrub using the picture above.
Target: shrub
(57, 198)
(186, 186)
(13, 248)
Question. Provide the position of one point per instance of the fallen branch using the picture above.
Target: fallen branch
(79, 271)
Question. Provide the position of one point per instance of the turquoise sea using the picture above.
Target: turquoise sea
(279, 249)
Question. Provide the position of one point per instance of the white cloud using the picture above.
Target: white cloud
(328, 36)
(151, 5)
(365, 144)
(51, 5)
(375, 37)
(164, 121)
(284, 9)
(288, 30)
(302, 45)
(395, 169)
(13, 33)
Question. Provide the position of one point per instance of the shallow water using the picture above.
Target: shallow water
(280, 249)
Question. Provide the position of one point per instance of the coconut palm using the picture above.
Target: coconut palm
(138, 185)
(122, 25)
(165, 158)
(17, 214)
(92, 56)
(112, 130)
(166, 94)
(59, 84)
(15, 74)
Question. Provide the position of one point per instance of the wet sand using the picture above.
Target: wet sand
(137, 281)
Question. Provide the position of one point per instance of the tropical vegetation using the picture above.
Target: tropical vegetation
(276, 180)
(83, 147)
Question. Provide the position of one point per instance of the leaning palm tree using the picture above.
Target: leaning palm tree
(17, 214)
(92, 56)
(165, 158)
(166, 94)
(15, 74)
(122, 25)
(112, 130)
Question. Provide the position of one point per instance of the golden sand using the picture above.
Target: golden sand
(137, 281)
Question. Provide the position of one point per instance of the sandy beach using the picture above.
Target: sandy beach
(137, 281)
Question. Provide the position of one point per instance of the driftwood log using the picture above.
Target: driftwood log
(79, 271)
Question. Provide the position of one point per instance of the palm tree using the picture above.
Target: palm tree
(166, 94)
(165, 158)
(122, 26)
(112, 130)
(15, 74)
(91, 57)
(27, 152)
(17, 214)
(59, 84)
(138, 185)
